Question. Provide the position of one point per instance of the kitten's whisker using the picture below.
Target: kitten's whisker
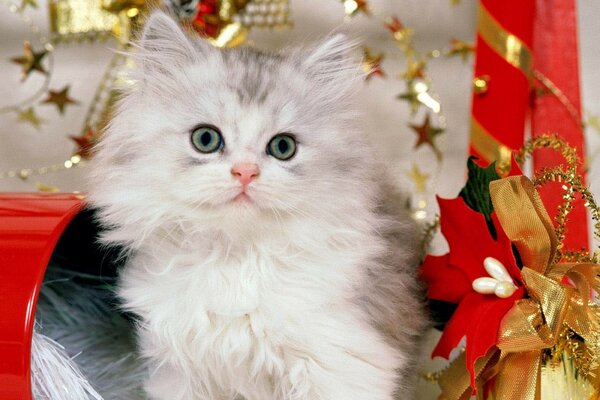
(277, 217)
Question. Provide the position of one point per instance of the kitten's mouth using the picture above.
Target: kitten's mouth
(242, 197)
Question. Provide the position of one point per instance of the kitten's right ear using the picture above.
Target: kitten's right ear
(331, 58)
(163, 40)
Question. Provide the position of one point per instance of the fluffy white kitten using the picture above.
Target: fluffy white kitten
(269, 259)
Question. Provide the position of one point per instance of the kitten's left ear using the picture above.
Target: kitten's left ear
(332, 57)
(163, 40)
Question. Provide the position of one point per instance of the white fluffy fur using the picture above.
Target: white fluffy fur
(306, 293)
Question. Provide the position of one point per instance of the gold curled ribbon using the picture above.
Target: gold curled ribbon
(537, 322)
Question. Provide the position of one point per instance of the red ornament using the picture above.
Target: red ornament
(450, 278)
(207, 19)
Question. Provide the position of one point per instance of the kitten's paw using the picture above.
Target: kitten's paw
(356, 380)
(169, 383)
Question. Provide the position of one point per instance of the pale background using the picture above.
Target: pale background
(435, 23)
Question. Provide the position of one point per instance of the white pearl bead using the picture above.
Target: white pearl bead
(485, 285)
(496, 269)
(504, 289)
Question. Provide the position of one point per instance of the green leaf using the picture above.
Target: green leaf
(476, 192)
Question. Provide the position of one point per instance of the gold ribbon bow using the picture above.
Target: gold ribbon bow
(539, 321)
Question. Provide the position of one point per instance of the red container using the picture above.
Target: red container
(30, 227)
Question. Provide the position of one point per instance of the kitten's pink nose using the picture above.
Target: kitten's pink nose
(245, 172)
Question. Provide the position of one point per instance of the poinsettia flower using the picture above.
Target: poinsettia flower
(450, 278)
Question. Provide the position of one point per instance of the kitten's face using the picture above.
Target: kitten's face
(236, 133)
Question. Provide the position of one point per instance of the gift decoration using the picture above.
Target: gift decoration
(20, 286)
(61, 334)
(93, 19)
(527, 64)
(524, 303)
(226, 22)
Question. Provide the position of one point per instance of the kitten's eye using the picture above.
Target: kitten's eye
(207, 139)
(282, 147)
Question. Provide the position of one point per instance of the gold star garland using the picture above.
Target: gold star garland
(418, 93)
(34, 60)
(37, 57)
(76, 20)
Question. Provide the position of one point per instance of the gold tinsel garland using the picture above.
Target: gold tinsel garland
(553, 333)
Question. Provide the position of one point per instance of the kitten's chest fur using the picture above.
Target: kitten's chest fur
(237, 305)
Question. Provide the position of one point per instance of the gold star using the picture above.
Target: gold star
(414, 70)
(594, 122)
(419, 178)
(42, 187)
(59, 98)
(371, 64)
(353, 7)
(26, 3)
(402, 34)
(426, 134)
(411, 96)
(416, 95)
(85, 143)
(460, 48)
(30, 117)
(30, 60)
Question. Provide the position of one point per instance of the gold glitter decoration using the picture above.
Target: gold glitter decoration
(80, 19)
(480, 84)
(568, 176)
